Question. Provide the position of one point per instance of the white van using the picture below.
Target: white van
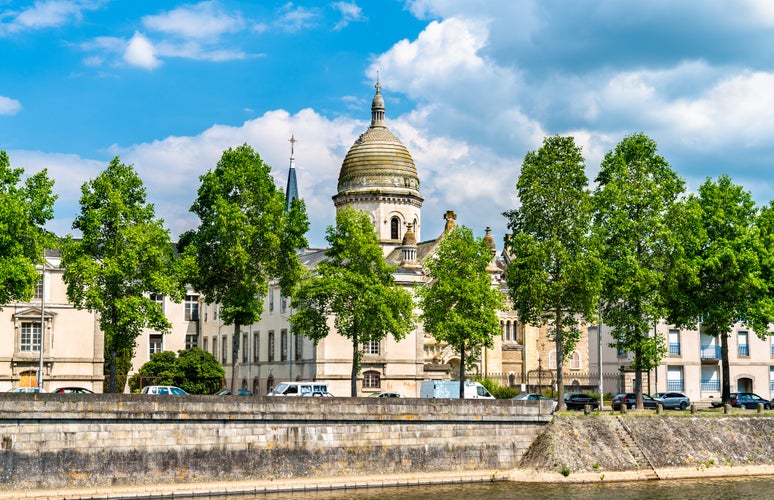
(451, 389)
(303, 389)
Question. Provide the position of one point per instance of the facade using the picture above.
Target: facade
(73, 349)
(693, 363)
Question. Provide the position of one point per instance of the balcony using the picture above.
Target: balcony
(710, 353)
(674, 348)
(710, 386)
(675, 385)
(744, 351)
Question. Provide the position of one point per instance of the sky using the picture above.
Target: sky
(469, 88)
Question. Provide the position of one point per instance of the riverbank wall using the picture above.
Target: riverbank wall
(645, 445)
(57, 442)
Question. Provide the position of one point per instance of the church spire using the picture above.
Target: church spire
(377, 107)
(291, 189)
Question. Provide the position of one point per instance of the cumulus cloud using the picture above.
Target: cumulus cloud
(349, 11)
(294, 18)
(141, 52)
(45, 14)
(9, 106)
(200, 21)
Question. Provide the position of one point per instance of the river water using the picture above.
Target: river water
(736, 488)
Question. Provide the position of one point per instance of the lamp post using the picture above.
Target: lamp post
(42, 323)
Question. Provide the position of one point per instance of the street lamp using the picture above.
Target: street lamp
(42, 322)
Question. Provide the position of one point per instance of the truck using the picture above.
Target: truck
(451, 389)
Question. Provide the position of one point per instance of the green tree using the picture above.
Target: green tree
(636, 189)
(245, 237)
(355, 285)
(721, 266)
(553, 276)
(193, 370)
(24, 209)
(459, 304)
(123, 255)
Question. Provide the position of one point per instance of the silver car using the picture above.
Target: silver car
(673, 400)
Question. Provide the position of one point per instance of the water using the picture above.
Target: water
(737, 488)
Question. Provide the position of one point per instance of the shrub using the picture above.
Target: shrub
(497, 390)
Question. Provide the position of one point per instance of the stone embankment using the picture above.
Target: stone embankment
(648, 446)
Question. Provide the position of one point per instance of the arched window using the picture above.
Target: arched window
(372, 380)
(509, 331)
(575, 362)
(394, 228)
(552, 360)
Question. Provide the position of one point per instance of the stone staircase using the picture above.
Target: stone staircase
(629, 444)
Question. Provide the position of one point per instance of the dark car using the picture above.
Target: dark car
(747, 400)
(673, 400)
(73, 390)
(227, 392)
(578, 401)
(629, 400)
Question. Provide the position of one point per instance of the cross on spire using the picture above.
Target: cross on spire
(292, 141)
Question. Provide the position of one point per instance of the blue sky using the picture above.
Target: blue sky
(469, 88)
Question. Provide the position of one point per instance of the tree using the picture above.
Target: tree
(194, 370)
(355, 285)
(722, 265)
(24, 209)
(459, 304)
(123, 256)
(245, 237)
(636, 189)
(553, 276)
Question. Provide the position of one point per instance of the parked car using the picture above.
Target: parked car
(747, 400)
(578, 401)
(536, 397)
(673, 400)
(301, 389)
(73, 390)
(163, 389)
(387, 395)
(629, 400)
(227, 392)
(28, 390)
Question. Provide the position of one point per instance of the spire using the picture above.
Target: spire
(291, 189)
(377, 106)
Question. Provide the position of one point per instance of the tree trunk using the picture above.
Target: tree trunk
(462, 371)
(638, 381)
(559, 359)
(355, 366)
(235, 359)
(112, 384)
(725, 395)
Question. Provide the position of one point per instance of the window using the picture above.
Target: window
(283, 345)
(621, 350)
(575, 361)
(155, 343)
(271, 299)
(271, 345)
(215, 312)
(771, 341)
(205, 345)
(245, 348)
(507, 331)
(39, 289)
(224, 350)
(744, 348)
(394, 226)
(674, 342)
(675, 378)
(191, 340)
(372, 380)
(158, 299)
(256, 350)
(192, 308)
(552, 360)
(283, 304)
(206, 310)
(30, 336)
(372, 347)
(215, 347)
(771, 378)
(299, 346)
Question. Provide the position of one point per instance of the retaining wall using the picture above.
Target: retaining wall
(58, 441)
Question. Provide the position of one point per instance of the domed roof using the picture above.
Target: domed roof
(378, 160)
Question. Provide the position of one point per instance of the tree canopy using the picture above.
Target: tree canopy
(459, 304)
(124, 254)
(355, 285)
(24, 210)
(553, 277)
(244, 238)
(721, 268)
(636, 189)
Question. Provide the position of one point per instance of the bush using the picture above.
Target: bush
(193, 370)
(497, 390)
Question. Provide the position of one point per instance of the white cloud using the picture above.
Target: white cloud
(200, 21)
(9, 106)
(293, 18)
(349, 11)
(140, 52)
(46, 14)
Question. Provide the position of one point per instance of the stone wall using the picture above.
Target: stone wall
(56, 441)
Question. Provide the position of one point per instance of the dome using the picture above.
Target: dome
(378, 160)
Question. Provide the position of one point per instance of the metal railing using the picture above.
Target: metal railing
(710, 352)
(674, 348)
(676, 385)
(710, 385)
(744, 350)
